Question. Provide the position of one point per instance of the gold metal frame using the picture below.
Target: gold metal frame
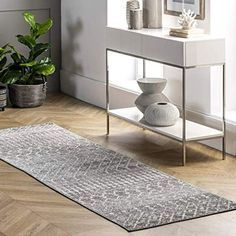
(201, 16)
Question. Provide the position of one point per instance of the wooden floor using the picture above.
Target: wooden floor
(29, 208)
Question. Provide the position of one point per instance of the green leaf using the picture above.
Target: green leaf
(3, 54)
(29, 64)
(26, 77)
(27, 40)
(39, 49)
(45, 69)
(18, 55)
(15, 58)
(46, 60)
(3, 63)
(10, 76)
(30, 19)
(44, 27)
(34, 31)
(5, 46)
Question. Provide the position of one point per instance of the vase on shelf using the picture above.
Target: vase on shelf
(162, 114)
(152, 89)
(136, 19)
(131, 5)
(152, 14)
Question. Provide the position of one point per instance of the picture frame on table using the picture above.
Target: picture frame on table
(175, 7)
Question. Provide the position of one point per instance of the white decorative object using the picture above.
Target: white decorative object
(131, 5)
(152, 14)
(136, 19)
(187, 19)
(162, 114)
(152, 92)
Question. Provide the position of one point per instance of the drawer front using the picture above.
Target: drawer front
(205, 52)
(164, 50)
(124, 41)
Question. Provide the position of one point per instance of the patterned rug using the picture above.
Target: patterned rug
(122, 190)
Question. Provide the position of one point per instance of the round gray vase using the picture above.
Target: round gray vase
(27, 96)
(162, 114)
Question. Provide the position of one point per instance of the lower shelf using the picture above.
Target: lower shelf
(194, 131)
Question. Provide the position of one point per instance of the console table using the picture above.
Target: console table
(156, 45)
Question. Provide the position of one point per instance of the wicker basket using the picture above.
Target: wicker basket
(26, 96)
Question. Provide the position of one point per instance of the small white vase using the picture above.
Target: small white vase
(131, 5)
(136, 19)
(152, 14)
(161, 114)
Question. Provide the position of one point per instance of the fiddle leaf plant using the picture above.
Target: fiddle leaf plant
(31, 69)
(3, 56)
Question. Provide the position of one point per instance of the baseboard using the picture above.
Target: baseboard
(94, 92)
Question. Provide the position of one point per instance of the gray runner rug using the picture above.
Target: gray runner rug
(122, 190)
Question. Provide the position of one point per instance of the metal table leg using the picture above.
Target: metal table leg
(107, 94)
(224, 122)
(184, 116)
(144, 68)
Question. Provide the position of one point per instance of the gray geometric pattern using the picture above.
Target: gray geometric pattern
(114, 186)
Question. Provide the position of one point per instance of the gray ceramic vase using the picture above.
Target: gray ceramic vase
(152, 14)
(131, 5)
(152, 92)
(162, 114)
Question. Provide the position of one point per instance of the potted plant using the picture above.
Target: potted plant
(26, 76)
(3, 90)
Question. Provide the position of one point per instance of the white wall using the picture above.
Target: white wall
(83, 49)
(224, 23)
(83, 54)
(83, 37)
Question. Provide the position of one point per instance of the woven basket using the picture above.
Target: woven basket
(26, 96)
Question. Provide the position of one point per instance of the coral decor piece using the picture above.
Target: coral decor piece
(187, 19)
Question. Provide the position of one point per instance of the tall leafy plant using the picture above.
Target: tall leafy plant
(28, 70)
